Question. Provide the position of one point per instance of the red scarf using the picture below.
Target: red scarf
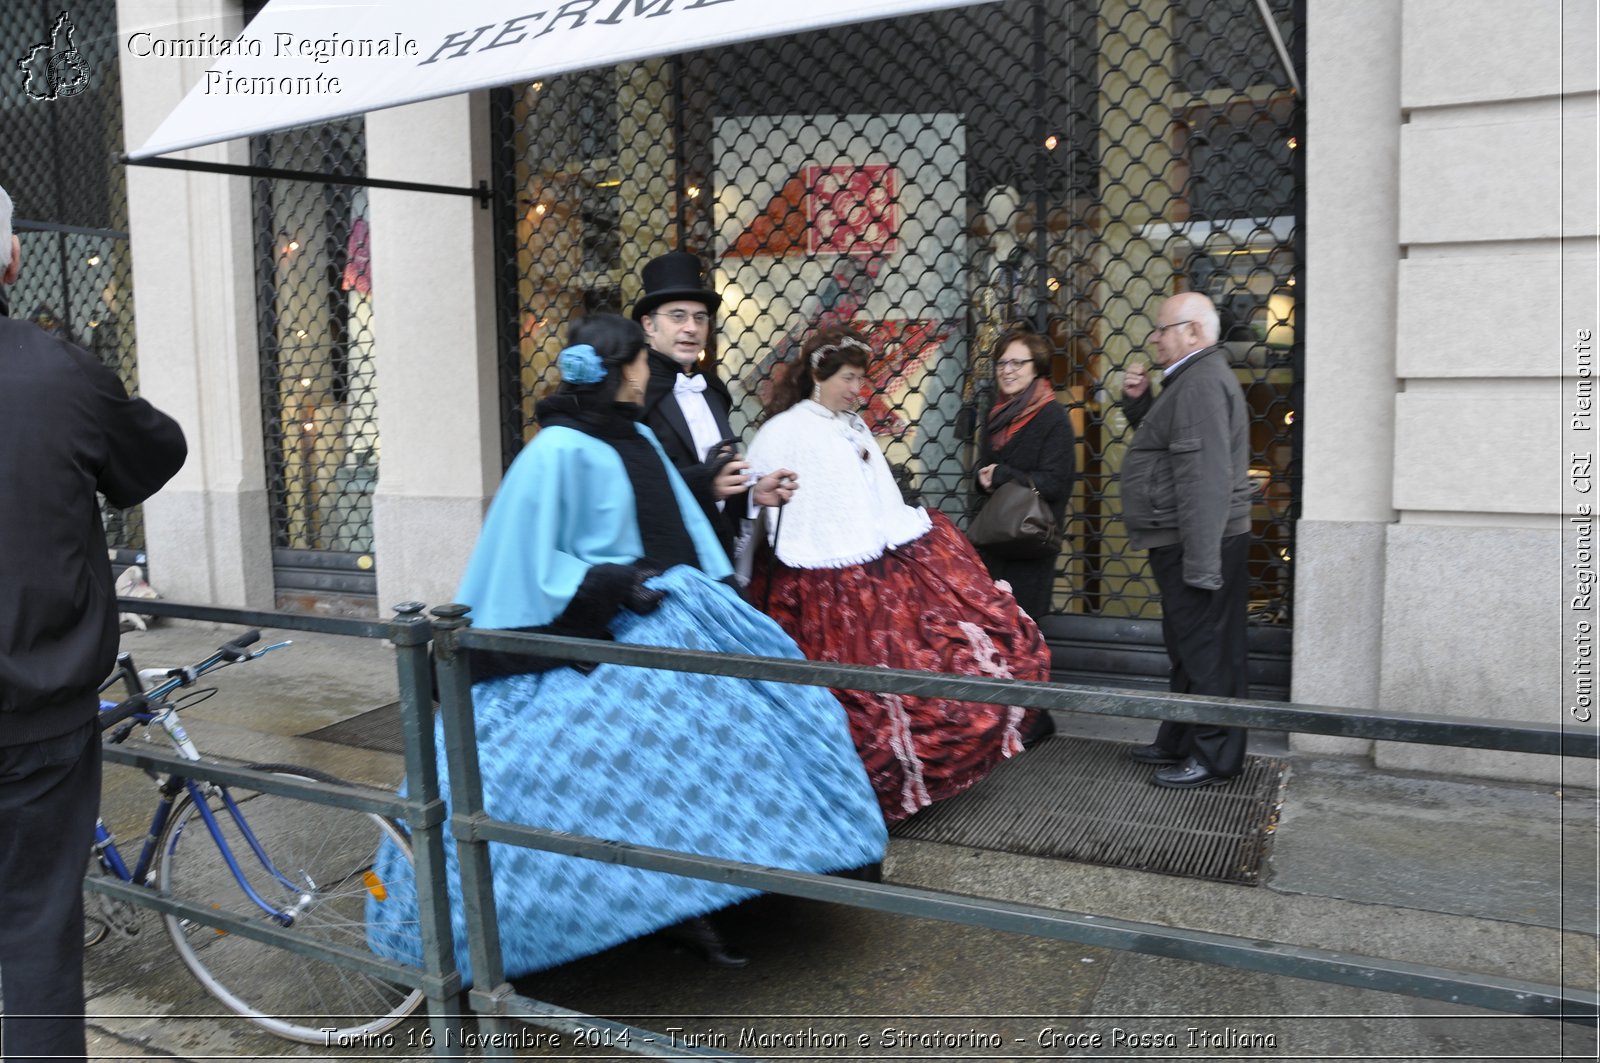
(1006, 418)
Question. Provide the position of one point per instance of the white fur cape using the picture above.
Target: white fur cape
(846, 511)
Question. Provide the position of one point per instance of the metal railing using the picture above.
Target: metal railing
(495, 1003)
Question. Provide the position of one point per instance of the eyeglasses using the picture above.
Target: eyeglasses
(680, 317)
(1012, 364)
(1159, 329)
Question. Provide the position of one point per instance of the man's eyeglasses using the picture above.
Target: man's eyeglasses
(1159, 329)
(1011, 365)
(681, 317)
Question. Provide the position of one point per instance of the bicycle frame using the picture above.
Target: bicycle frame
(146, 707)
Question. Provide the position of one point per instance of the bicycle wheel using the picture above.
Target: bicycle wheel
(327, 853)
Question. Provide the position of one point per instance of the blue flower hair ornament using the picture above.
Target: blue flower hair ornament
(580, 364)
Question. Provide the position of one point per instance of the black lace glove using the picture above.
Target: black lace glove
(604, 590)
(642, 599)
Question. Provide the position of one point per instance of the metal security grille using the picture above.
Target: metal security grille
(61, 124)
(318, 367)
(935, 179)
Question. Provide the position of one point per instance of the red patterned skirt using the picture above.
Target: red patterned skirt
(928, 605)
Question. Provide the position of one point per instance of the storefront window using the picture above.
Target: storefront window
(934, 180)
(318, 366)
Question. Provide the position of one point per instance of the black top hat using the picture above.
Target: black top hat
(673, 276)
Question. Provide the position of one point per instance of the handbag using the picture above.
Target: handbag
(1017, 523)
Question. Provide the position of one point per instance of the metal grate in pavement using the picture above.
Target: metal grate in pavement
(375, 729)
(1084, 799)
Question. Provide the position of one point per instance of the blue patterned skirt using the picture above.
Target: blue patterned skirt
(760, 772)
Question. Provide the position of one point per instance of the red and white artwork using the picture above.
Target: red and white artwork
(860, 219)
(852, 210)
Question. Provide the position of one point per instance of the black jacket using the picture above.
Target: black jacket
(664, 417)
(1044, 450)
(67, 430)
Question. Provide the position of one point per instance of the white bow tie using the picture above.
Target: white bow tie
(683, 385)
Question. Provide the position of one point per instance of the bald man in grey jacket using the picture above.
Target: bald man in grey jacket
(1186, 499)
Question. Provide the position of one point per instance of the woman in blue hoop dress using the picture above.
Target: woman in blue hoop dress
(593, 533)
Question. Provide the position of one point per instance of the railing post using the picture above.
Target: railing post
(489, 988)
(447, 1007)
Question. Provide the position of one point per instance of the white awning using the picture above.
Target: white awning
(303, 61)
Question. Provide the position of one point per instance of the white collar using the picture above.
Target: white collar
(1167, 370)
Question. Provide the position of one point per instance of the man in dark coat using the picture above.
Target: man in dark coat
(686, 403)
(1186, 499)
(67, 430)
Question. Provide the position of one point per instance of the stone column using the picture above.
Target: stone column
(207, 532)
(1352, 261)
(433, 319)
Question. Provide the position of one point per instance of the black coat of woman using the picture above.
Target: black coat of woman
(1042, 451)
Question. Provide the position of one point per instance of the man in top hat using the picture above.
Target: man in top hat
(686, 403)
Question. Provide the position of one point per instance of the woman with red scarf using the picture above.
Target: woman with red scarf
(1028, 438)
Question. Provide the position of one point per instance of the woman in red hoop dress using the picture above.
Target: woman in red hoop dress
(856, 576)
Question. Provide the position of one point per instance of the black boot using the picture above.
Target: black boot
(701, 935)
(1044, 725)
(872, 872)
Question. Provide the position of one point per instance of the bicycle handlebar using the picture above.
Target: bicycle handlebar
(235, 650)
(231, 652)
(109, 718)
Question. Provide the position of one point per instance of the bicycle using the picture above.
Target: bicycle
(301, 865)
